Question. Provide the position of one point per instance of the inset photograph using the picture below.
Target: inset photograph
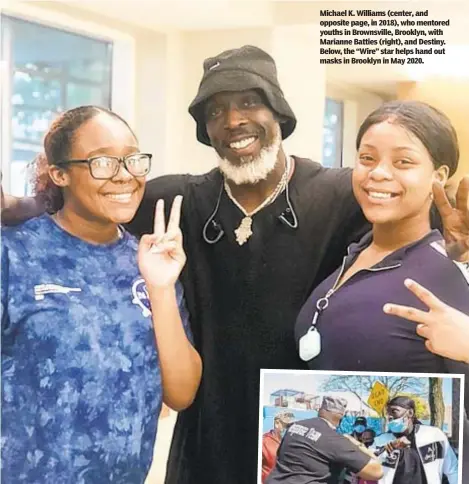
(319, 427)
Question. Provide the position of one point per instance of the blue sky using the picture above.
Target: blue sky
(310, 383)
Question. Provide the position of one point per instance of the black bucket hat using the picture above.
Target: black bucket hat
(239, 70)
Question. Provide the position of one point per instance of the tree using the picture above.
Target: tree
(437, 403)
(361, 385)
(422, 408)
(455, 412)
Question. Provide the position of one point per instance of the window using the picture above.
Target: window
(333, 134)
(48, 71)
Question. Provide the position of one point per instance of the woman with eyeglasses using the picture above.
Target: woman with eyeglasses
(95, 331)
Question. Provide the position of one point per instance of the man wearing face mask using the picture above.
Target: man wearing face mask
(271, 441)
(359, 427)
(368, 438)
(416, 453)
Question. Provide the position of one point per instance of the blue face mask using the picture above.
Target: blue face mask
(282, 433)
(359, 429)
(398, 425)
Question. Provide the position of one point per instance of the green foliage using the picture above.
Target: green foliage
(422, 408)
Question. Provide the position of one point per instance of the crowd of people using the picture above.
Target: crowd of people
(314, 451)
(98, 329)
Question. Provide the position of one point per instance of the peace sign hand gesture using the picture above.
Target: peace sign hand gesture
(455, 220)
(161, 255)
(445, 329)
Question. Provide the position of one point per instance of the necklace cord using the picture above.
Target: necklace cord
(211, 221)
(283, 217)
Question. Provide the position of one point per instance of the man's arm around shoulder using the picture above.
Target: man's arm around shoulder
(17, 210)
(163, 187)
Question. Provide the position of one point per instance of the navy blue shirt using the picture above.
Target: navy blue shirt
(356, 335)
(81, 383)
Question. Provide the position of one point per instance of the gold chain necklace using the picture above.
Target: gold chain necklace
(244, 231)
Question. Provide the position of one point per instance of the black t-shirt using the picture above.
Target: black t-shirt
(243, 302)
(312, 452)
(409, 467)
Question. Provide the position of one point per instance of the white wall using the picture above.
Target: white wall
(358, 104)
(303, 81)
(151, 97)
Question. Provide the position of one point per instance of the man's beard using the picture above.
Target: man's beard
(253, 170)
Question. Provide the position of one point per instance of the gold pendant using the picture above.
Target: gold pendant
(243, 232)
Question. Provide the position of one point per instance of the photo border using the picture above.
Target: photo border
(263, 372)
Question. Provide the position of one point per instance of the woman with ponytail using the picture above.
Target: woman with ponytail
(95, 330)
(404, 149)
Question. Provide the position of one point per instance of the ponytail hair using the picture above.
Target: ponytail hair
(43, 187)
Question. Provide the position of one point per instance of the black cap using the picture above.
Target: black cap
(239, 70)
(360, 421)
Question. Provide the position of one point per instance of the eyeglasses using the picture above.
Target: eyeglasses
(107, 167)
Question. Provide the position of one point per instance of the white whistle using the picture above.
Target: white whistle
(309, 345)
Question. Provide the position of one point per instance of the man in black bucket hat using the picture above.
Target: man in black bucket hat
(237, 70)
(260, 232)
